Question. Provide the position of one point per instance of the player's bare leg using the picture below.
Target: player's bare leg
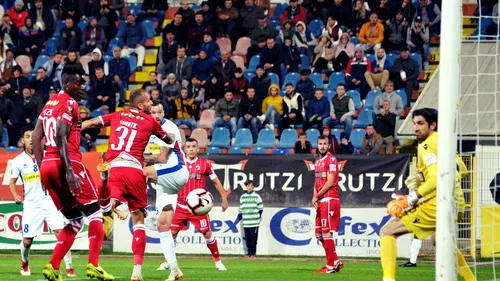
(333, 264)
(388, 249)
(167, 241)
(68, 260)
(138, 244)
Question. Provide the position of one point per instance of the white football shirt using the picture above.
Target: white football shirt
(25, 167)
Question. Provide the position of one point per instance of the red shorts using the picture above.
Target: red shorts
(53, 177)
(328, 216)
(182, 216)
(128, 185)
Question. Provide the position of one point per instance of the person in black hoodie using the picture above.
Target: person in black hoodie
(249, 108)
(102, 92)
(16, 83)
(239, 84)
(270, 57)
(214, 91)
(345, 146)
(291, 56)
(260, 83)
(71, 36)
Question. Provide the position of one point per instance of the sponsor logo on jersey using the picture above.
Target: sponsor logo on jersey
(31, 177)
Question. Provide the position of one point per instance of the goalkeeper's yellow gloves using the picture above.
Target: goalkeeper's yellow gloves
(400, 203)
(412, 182)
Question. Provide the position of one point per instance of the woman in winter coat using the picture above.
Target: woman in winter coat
(344, 51)
(324, 52)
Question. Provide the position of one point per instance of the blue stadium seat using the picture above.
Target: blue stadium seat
(481, 29)
(134, 9)
(98, 112)
(371, 57)
(316, 27)
(40, 61)
(336, 133)
(11, 149)
(317, 78)
(391, 58)
(243, 138)
(312, 137)
(191, 59)
(274, 78)
(235, 150)
(335, 79)
(220, 138)
(150, 28)
(329, 93)
(195, 7)
(249, 76)
(82, 149)
(402, 94)
(370, 99)
(107, 58)
(254, 62)
(213, 150)
(304, 62)
(356, 138)
(278, 10)
(418, 58)
(281, 151)
(292, 77)
(266, 138)
(51, 46)
(274, 23)
(365, 118)
(288, 138)
(356, 98)
(258, 150)
(132, 62)
(59, 26)
(114, 42)
(5, 138)
(82, 24)
(355, 40)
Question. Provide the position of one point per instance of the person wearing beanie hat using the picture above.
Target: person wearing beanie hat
(396, 30)
(286, 31)
(404, 72)
(203, 66)
(16, 83)
(260, 82)
(345, 146)
(418, 40)
(18, 13)
(305, 86)
(42, 16)
(93, 37)
(371, 34)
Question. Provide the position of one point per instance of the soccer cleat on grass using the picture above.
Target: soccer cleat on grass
(136, 276)
(163, 266)
(325, 270)
(70, 272)
(175, 276)
(122, 211)
(338, 266)
(25, 269)
(220, 266)
(51, 274)
(408, 264)
(98, 273)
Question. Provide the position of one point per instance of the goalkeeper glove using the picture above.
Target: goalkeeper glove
(400, 203)
(412, 183)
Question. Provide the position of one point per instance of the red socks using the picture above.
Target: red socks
(330, 250)
(65, 240)
(214, 249)
(96, 236)
(139, 243)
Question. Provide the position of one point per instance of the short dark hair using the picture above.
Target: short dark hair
(69, 18)
(191, 140)
(369, 125)
(184, 88)
(249, 182)
(99, 69)
(341, 85)
(289, 84)
(302, 134)
(269, 38)
(319, 90)
(25, 129)
(430, 115)
(157, 103)
(136, 97)
(41, 67)
(199, 13)
(323, 137)
(156, 73)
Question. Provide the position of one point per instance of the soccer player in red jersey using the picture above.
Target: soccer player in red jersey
(130, 132)
(199, 169)
(327, 203)
(69, 184)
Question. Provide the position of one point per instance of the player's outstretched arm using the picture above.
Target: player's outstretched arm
(222, 193)
(62, 131)
(38, 135)
(94, 123)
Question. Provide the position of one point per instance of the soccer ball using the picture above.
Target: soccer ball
(199, 202)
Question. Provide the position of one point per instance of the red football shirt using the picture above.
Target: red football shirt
(328, 165)
(198, 169)
(64, 108)
(130, 132)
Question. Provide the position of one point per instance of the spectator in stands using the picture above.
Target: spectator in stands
(334, 143)
(306, 87)
(239, 84)
(294, 13)
(261, 83)
(251, 15)
(153, 9)
(25, 110)
(156, 98)
(385, 124)
(355, 72)
(153, 83)
(249, 108)
(181, 67)
(345, 146)
(178, 29)
(186, 12)
(119, 70)
(186, 110)
(224, 68)
(396, 31)
(292, 109)
(73, 61)
(228, 15)
(344, 52)
(30, 37)
(3, 49)
(196, 91)
(272, 107)
(102, 92)
(107, 17)
(134, 38)
(324, 52)
(286, 31)
(71, 8)
(404, 73)
(408, 10)
(359, 17)
(92, 37)
(302, 146)
(87, 137)
(318, 110)
(431, 15)
(10, 31)
(18, 13)
(203, 67)
(226, 111)
(16, 83)
(379, 74)
(340, 11)
(118, 6)
(168, 52)
(342, 111)
(171, 89)
(418, 40)
(71, 37)
(209, 17)
(7, 66)
(371, 35)
(6, 106)
(41, 84)
(372, 142)
(259, 36)
(291, 56)
(42, 17)
(96, 62)
(196, 32)
(333, 29)
(210, 47)
(492, 28)
(54, 68)
(396, 101)
(384, 11)
(214, 91)
(303, 39)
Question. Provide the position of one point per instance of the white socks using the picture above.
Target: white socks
(24, 253)
(68, 260)
(138, 269)
(168, 248)
(415, 249)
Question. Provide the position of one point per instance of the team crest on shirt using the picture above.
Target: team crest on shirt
(25, 166)
(425, 146)
(198, 167)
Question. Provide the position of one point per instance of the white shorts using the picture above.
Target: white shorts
(170, 181)
(34, 216)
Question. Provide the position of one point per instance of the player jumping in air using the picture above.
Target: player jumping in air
(199, 169)
(37, 205)
(130, 132)
(421, 218)
(66, 178)
(327, 203)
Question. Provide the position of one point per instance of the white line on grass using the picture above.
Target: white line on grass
(116, 277)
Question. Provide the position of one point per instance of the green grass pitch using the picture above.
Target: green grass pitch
(202, 268)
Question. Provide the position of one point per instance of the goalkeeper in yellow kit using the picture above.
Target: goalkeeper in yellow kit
(416, 212)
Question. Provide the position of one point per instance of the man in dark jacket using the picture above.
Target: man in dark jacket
(26, 109)
(41, 85)
(341, 12)
(248, 17)
(106, 17)
(226, 111)
(71, 36)
(92, 37)
(8, 27)
(6, 107)
(385, 124)
(305, 87)
(42, 15)
(259, 36)
(319, 110)
(119, 71)
(224, 68)
(16, 83)
(404, 73)
(249, 108)
(196, 33)
(179, 30)
(102, 92)
(395, 33)
(186, 12)
(134, 38)
(270, 57)
(153, 9)
(181, 67)
(260, 83)
(168, 51)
